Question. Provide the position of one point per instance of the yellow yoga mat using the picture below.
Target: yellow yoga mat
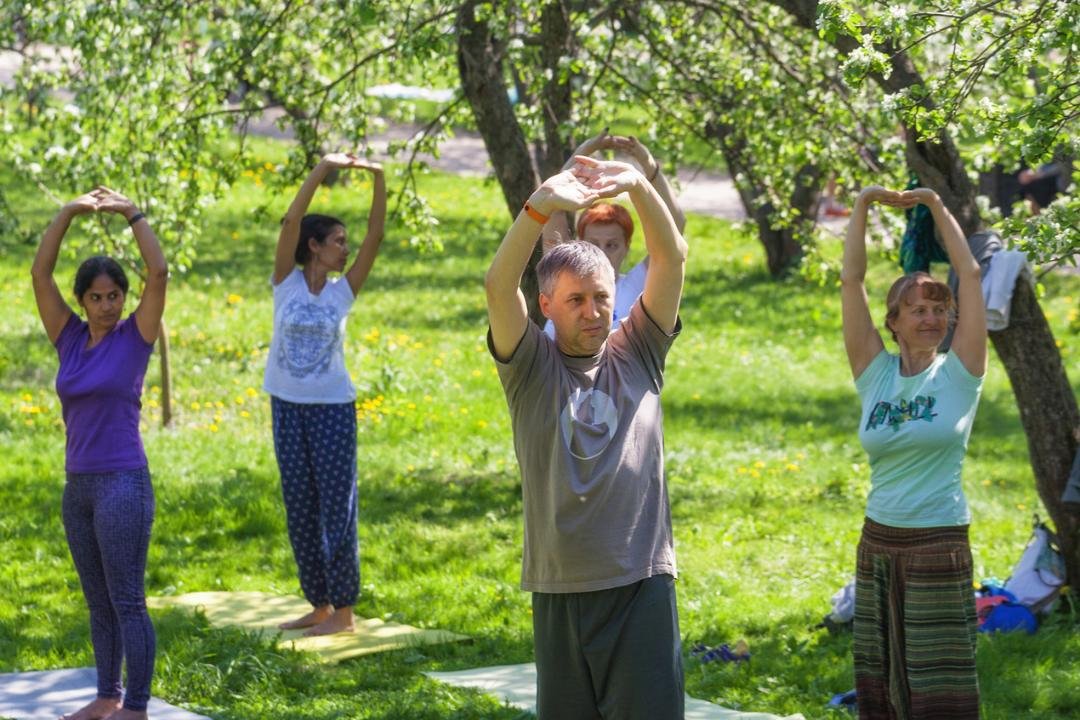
(262, 611)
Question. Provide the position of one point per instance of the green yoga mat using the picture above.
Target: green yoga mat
(262, 611)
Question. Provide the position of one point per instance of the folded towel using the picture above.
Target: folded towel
(998, 283)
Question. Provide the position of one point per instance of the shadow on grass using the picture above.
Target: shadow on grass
(432, 497)
(819, 413)
(1020, 675)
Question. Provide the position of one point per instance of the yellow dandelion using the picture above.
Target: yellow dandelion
(476, 373)
(740, 470)
(213, 428)
(755, 474)
(251, 392)
(791, 467)
(234, 299)
(411, 406)
(244, 414)
(195, 406)
(27, 397)
(481, 424)
(759, 464)
(437, 362)
(235, 235)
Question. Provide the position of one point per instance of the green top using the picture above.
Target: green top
(915, 431)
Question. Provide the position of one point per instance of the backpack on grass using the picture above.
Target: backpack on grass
(1039, 575)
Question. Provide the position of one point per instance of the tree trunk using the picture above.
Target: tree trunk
(557, 43)
(1044, 397)
(1048, 411)
(782, 247)
(480, 65)
(166, 375)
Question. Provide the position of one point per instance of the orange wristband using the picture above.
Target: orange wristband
(536, 214)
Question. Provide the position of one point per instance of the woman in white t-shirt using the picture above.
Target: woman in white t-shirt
(914, 635)
(313, 401)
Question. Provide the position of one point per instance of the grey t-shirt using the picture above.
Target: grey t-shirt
(588, 434)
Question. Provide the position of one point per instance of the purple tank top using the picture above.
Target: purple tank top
(100, 390)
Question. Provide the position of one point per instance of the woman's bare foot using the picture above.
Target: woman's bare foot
(317, 616)
(340, 621)
(98, 708)
(125, 714)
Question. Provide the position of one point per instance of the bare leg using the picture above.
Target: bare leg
(340, 621)
(317, 616)
(98, 708)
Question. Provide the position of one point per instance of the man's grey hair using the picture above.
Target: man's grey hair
(579, 257)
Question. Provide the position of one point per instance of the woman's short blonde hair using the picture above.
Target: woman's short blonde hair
(931, 290)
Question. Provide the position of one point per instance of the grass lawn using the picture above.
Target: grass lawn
(767, 479)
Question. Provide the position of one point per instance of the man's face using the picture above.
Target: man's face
(610, 238)
(580, 308)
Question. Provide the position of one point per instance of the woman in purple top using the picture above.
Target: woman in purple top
(108, 504)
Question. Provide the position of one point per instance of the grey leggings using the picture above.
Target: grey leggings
(107, 519)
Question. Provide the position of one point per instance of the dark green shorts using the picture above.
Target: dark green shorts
(609, 654)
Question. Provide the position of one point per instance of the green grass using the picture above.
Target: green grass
(767, 479)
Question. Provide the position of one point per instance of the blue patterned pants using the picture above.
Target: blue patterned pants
(316, 453)
(107, 519)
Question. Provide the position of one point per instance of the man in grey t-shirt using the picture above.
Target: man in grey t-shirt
(588, 434)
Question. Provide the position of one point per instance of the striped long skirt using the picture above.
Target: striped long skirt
(915, 624)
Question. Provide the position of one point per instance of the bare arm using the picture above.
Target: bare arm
(861, 337)
(376, 230)
(663, 241)
(969, 338)
(152, 303)
(289, 236)
(507, 312)
(557, 229)
(654, 173)
(53, 310)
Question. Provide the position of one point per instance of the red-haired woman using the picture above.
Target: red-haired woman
(914, 607)
(610, 227)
